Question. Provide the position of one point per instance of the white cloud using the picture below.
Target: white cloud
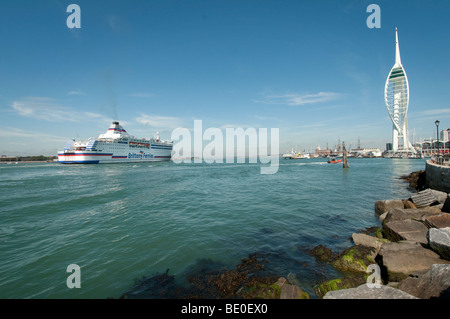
(435, 112)
(44, 108)
(11, 132)
(235, 126)
(142, 95)
(298, 99)
(263, 118)
(156, 121)
(313, 125)
(76, 92)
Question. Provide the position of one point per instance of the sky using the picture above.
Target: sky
(313, 69)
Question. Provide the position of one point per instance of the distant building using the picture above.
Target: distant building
(431, 146)
(388, 146)
(322, 153)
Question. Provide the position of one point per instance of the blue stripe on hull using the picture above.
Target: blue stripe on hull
(78, 162)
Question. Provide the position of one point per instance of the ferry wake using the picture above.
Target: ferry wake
(115, 146)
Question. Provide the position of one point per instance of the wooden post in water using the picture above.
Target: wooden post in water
(344, 152)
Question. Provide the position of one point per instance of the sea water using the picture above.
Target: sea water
(122, 222)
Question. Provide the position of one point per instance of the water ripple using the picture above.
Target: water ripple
(122, 222)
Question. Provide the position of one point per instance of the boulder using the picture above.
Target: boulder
(407, 229)
(368, 241)
(355, 259)
(424, 198)
(364, 292)
(439, 241)
(340, 283)
(434, 283)
(438, 221)
(267, 289)
(383, 206)
(440, 196)
(418, 214)
(408, 204)
(289, 291)
(398, 260)
(396, 214)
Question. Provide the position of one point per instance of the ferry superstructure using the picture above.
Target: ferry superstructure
(115, 146)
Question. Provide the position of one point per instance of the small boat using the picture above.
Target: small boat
(333, 160)
(295, 155)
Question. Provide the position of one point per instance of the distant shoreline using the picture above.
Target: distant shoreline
(26, 162)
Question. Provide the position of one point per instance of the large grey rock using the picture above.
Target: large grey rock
(368, 241)
(383, 206)
(424, 198)
(290, 292)
(394, 214)
(355, 259)
(438, 221)
(398, 260)
(439, 241)
(406, 229)
(364, 292)
(349, 281)
(434, 283)
(418, 214)
(440, 196)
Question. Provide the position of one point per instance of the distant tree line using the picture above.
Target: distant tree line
(34, 158)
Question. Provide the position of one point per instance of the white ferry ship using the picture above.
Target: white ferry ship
(115, 146)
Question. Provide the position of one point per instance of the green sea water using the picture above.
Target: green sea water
(121, 222)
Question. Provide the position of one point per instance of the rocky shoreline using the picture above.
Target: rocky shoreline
(407, 257)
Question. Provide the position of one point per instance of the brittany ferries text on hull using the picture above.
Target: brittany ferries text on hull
(115, 146)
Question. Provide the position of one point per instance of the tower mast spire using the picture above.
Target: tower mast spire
(398, 61)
